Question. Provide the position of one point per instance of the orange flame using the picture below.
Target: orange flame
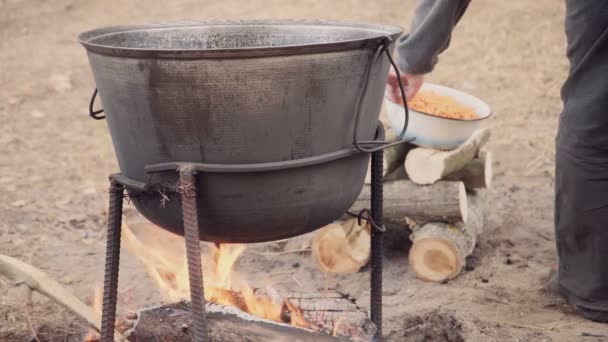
(168, 267)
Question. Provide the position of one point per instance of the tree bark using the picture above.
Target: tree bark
(477, 174)
(394, 157)
(443, 201)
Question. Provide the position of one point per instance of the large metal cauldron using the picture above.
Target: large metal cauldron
(244, 92)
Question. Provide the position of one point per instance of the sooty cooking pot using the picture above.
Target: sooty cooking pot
(268, 106)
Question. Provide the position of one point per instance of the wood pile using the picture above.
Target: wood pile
(434, 194)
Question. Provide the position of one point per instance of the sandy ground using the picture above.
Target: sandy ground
(54, 161)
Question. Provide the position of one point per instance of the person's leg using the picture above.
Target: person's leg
(582, 229)
(581, 198)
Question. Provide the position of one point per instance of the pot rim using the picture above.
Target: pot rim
(383, 31)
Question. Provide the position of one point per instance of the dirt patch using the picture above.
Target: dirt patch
(54, 163)
(435, 326)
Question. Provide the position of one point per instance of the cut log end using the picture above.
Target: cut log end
(435, 259)
(439, 249)
(342, 248)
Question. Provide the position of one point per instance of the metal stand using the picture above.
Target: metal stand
(187, 188)
(377, 247)
(110, 280)
(188, 191)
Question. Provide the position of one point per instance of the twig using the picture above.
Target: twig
(29, 321)
(588, 334)
(296, 280)
(550, 325)
(519, 325)
(543, 236)
(497, 300)
(289, 251)
(491, 296)
(565, 325)
(274, 274)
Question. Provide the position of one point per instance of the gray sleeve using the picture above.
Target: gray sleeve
(429, 34)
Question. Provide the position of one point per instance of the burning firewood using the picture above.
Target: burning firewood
(427, 166)
(330, 317)
(342, 248)
(334, 314)
(163, 256)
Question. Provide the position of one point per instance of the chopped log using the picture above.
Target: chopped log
(224, 324)
(335, 314)
(426, 166)
(394, 157)
(439, 249)
(342, 247)
(477, 174)
(444, 201)
(332, 317)
(33, 279)
(395, 175)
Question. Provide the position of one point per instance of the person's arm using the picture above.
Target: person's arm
(429, 36)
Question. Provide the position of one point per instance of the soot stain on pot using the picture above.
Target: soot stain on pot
(180, 124)
(155, 75)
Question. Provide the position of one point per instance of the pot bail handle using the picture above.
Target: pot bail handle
(384, 47)
(95, 113)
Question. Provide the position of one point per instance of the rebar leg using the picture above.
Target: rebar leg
(377, 243)
(110, 281)
(187, 189)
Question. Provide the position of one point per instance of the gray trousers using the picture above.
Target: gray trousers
(581, 185)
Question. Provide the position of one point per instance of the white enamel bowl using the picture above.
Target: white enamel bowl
(437, 132)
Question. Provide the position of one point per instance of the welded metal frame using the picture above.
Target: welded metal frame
(187, 188)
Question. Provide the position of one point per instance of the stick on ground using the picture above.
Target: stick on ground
(21, 273)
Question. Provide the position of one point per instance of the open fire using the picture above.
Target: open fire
(164, 258)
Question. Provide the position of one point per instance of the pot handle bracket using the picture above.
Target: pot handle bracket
(367, 146)
(95, 113)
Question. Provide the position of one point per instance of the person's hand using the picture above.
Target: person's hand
(411, 85)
